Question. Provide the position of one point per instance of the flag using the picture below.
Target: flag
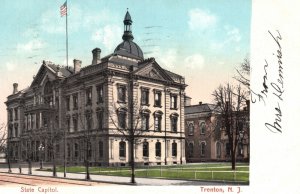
(63, 9)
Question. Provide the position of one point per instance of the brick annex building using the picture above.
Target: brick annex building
(77, 112)
(206, 140)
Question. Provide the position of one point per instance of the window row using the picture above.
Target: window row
(88, 98)
(191, 149)
(88, 120)
(191, 128)
(13, 114)
(145, 145)
(145, 120)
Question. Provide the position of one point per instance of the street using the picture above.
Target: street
(7, 179)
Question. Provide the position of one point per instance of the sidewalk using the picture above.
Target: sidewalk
(115, 179)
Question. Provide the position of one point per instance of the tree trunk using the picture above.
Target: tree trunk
(132, 162)
(54, 166)
(87, 177)
(8, 162)
(29, 166)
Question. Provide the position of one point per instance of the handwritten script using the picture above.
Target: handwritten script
(274, 88)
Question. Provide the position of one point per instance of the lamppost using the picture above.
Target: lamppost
(41, 150)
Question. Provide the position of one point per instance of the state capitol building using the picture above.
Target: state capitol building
(87, 113)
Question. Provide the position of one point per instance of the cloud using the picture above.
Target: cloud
(109, 36)
(166, 58)
(201, 19)
(232, 35)
(31, 45)
(194, 61)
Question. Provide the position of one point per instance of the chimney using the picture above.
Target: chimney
(96, 56)
(77, 65)
(15, 88)
(200, 103)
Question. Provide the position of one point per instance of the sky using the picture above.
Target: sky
(202, 40)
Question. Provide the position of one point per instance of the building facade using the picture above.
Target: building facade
(206, 138)
(86, 113)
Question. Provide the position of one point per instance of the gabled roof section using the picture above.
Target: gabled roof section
(56, 70)
(200, 108)
(150, 68)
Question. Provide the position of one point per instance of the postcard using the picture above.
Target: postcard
(151, 96)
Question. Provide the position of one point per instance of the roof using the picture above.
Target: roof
(128, 48)
(200, 108)
(127, 17)
(65, 71)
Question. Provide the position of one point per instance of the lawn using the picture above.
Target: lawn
(206, 171)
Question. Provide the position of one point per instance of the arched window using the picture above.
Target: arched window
(191, 129)
(122, 149)
(191, 150)
(157, 120)
(203, 147)
(202, 127)
(158, 149)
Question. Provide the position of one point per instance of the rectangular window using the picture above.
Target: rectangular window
(68, 124)
(173, 101)
(37, 123)
(122, 149)
(89, 121)
(100, 119)
(158, 149)
(89, 96)
(100, 149)
(121, 93)
(145, 96)
(157, 98)
(75, 101)
(76, 150)
(75, 124)
(145, 149)
(99, 94)
(122, 119)
(16, 114)
(203, 149)
(157, 122)
(16, 131)
(68, 103)
(10, 113)
(174, 120)
(174, 149)
(145, 122)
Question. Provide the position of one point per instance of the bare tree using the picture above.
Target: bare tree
(86, 130)
(230, 102)
(134, 113)
(243, 73)
(4, 147)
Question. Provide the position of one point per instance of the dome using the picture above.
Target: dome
(129, 48)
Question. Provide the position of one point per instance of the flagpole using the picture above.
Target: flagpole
(67, 58)
(67, 34)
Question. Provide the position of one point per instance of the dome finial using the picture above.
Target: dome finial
(127, 27)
